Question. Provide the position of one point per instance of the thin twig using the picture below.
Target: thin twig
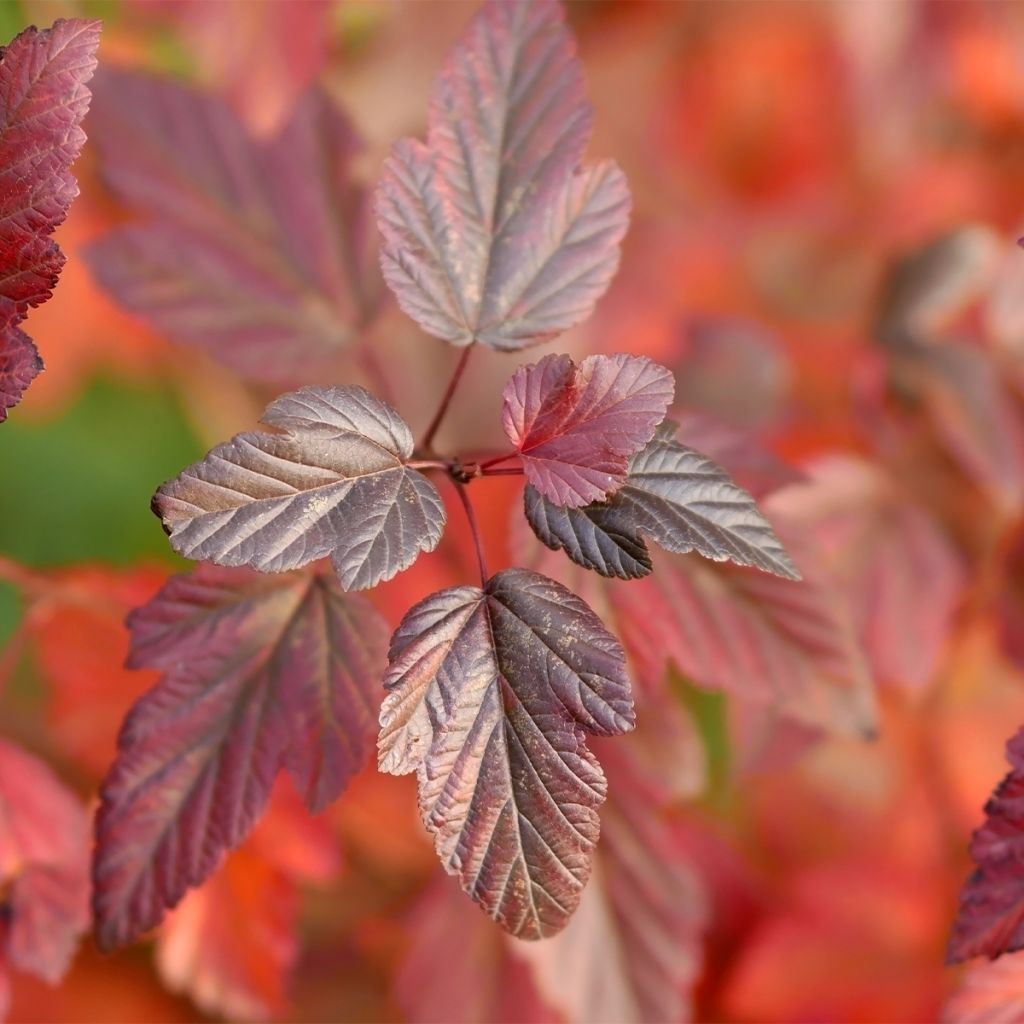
(475, 530)
(511, 471)
(435, 423)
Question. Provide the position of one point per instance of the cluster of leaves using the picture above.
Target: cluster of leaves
(493, 235)
(252, 238)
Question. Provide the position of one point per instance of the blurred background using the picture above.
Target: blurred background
(827, 198)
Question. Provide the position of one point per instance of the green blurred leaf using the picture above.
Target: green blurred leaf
(709, 713)
(78, 488)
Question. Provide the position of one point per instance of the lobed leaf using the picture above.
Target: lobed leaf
(492, 230)
(43, 98)
(256, 251)
(490, 694)
(576, 426)
(334, 482)
(990, 919)
(260, 674)
(674, 496)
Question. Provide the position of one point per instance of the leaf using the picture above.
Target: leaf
(483, 979)
(786, 643)
(233, 943)
(259, 674)
(333, 483)
(493, 230)
(490, 694)
(990, 992)
(576, 426)
(254, 251)
(879, 544)
(633, 951)
(990, 920)
(673, 495)
(43, 866)
(20, 362)
(43, 98)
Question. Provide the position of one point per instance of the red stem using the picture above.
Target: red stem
(511, 471)
(475, 530)
(460, 366)
(498, 458)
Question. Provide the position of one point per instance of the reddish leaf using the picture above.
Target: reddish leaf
(483, 979)
(254, 251)
(633, 951)
(43, 866)
(989, 993)
(491, 693)
(676, 497)
(43, 98)
(788, 643)
(493, 231)
(990, 920)
(335, 483)
(20, 362)
(232, 943)
(931, 286)
(260, 673)
(576, 426)
(879, 546)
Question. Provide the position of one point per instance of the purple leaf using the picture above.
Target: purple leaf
(260, 673)
(20, 362)
(576, 426)
(490, 695)
(493, 230)
(255, 251)
(786, 643)
(676, 497)
(333, 483)
(990, 920)
(43, 98)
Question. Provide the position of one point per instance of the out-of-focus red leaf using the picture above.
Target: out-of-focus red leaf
(632, 953)
(260, 673)
(260, 56)
(990, 920)
(460, 969)
(576, 426)
(988, 993)
(788, 643)
(232, 944)
(732, 369)
(881, 548)
(257, 252)
(494, 230)
(974, 413)
(44, 836)
(43, 98)
(80, 647)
